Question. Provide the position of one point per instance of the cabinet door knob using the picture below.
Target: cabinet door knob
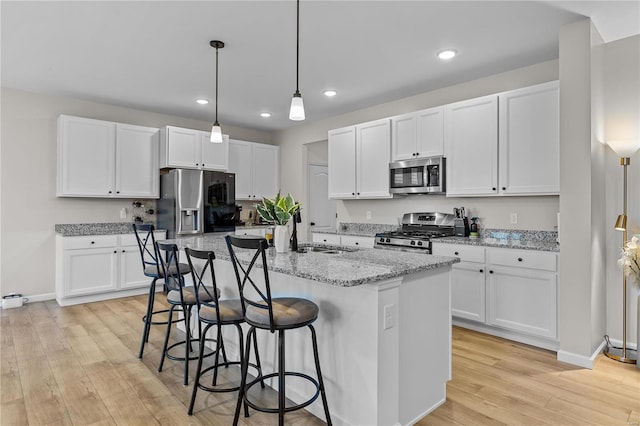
(493, 189)
(123, 251)
(353, 193)
(115, 251)
(504, 188)
(519, 259)
(481, 270)
(324, 241)
(117, 192)
(417, 154)
(312, 224)
(456, 253)
(93, 242)
(357, 243)
(358, 193)
(109, 192)
(202, 164)
(491, 272)
(196, 164)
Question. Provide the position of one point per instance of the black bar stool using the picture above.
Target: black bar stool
(216, 313)
(151, 268)
(181, 296)
(273, 314)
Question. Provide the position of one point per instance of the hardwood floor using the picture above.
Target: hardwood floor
(78, 366)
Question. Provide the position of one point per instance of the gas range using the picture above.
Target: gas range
(417, 231)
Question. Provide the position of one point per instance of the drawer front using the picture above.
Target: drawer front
(326, 238)
(130, 239)
(353, 241)
(260, 232)
(545, 261)
(464, 252)
(90, 241)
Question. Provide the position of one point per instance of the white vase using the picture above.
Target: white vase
(281, 238)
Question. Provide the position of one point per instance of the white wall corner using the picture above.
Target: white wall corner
(580, 360)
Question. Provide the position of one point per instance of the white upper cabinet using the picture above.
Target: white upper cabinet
(359, 160)
(373, 143)
(471, 141)
(191, 149)
(103, 159)
(342, 163)
(529, 141)
(417, 134)
(256, 167)
(137, 161)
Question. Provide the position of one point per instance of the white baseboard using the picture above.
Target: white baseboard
(580, 360)
(40, 297)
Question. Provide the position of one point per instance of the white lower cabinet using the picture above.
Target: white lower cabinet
(260, 232)
(504, 290)
(343, 240)
(98, 267)
(521, 291)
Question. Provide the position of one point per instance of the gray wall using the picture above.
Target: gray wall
(29, 207)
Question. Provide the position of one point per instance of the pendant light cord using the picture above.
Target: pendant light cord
(297, 46)
(216, 123)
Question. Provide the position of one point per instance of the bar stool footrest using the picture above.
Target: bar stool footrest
(144, 318)
(195, 356)
(287, 409)
(230, 389)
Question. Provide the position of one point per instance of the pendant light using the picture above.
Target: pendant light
(216, 130)
(296, 112)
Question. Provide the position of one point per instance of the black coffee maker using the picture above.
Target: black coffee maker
(461, 222)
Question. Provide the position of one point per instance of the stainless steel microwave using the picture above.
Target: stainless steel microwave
(418, 176)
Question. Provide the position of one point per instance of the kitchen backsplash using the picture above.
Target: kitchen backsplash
(365, 228)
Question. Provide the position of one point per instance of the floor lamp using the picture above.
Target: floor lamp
(625, 149)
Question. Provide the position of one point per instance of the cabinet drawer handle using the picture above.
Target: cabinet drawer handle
(353, 193)
(123, 251)
(481, 270)
(196, 164)
(493, 189)
(519, 259)
(417, 154)
(117, 192)
(491, 272)
(357, 243)
(93, 242)
(109, 192)
(504, 188)
(324, 241)
(456, 253)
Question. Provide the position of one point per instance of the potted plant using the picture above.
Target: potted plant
(279, 211)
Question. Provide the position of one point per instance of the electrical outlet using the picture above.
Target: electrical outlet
(514, 218)
(123, 213)
(388, 317)
(368, 214)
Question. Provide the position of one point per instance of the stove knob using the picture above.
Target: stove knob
(413, 243)
(419, 243)
(387, 240)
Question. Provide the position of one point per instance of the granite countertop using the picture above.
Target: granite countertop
(541, 245)
(350, 267)
(79, 229)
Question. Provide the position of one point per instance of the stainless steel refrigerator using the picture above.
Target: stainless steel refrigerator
(196, 201)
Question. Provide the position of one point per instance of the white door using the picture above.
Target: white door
(241, 163)
(342, 163)
(137, 161)
(266, 175)
(90, 271)
(215, 156)
(85, 157)
(321, 211)
(472, 147)
(403, 137)
(373, 153)
(430, 132)
(184, 147)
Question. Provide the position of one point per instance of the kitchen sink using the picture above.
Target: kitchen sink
(325, 250)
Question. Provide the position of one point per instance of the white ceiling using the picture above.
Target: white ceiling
(155, 55)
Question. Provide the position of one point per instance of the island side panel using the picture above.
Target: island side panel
(425, 343)
(348, 330)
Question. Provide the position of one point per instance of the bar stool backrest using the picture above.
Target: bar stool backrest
(173, 279)
(147, 246)
(255, 247)
(199, 277)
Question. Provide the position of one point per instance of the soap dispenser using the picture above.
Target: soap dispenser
(473, 229)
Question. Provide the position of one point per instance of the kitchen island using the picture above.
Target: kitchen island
(384, 328)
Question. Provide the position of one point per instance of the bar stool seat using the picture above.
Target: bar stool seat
(230, 312)
(189, 295)
(288, 312)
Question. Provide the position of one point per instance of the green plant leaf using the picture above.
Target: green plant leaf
(283, 217)
(265, 214)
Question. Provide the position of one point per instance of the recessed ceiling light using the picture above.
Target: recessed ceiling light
(447, 54)
(265, 114)
(330, 93)
(202, 101)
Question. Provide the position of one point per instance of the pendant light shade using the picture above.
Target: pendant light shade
(216, 130)
(296, 113)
